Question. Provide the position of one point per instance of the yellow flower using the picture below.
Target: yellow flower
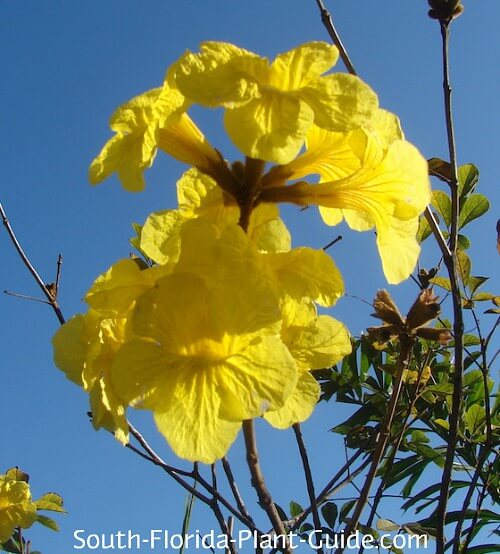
(315, 342)
(200, 197)
(208, 356)
(270, 107)
(369, 179)
(152, 120)
(16, 507)
(85, 346)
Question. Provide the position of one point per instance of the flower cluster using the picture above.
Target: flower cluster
(16, 506)
(217, 322)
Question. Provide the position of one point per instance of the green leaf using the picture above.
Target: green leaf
(464, 266)
(483, 549)
(442, 423)
(387, 525)
(47, 522)
(463, 242)
(474, 419)
(475, 282)
(424, 229)
(468, 176)
(483, 296)
(442, 282)
(346, 508)
(51, 502)
(295, 509)
(475, 206)
(330, 513)
(188, 512)
(441, 201)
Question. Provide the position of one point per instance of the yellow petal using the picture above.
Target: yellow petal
(70, 348)
(307, 273)
(185, 142)
(193, 429)
(221, 75)
(108, 411)
(114, 291)
(385, 127)
(299, 405)
(398, 248)
(321, 343)
(133, 148)
(260, 377)
(270, 128)
(330, 155)
(160, 236)
(298, 67)
(340, 102)
(200, 196)
(267, 230)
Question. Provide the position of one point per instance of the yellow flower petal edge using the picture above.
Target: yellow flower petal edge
(199, 362)
(270, 107)
(390, 190)
(132, 150)
(299, 406)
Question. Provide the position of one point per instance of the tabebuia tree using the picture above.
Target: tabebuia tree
(219, 318)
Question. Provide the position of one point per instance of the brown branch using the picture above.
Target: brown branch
(234, 488)
(259, 485)
(310, 485)
(458, 325)
(326, 18)
(176, 474)
(52, 300)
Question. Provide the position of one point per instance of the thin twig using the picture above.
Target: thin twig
(219, 516)
(52, 300)
(175, 473)
(58, 275)
(310, 485)
(328, 23)
(383, 436)
(259, 485)
(332, 242)
(234, 488)
(26, 297)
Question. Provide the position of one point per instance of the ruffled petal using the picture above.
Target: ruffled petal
(270, 128)
(307, 273)
(340, 102)
(220, 75)
(298, 67)
(299, 405)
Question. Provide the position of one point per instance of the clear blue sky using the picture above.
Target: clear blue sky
(65, 67)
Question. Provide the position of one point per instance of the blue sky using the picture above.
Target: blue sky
(65, 67)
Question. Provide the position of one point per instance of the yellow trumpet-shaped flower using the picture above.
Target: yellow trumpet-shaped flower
(271, 106)
(16, 507)
(207, 357)
(152, 120)
(388, 187)
(85, 346)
